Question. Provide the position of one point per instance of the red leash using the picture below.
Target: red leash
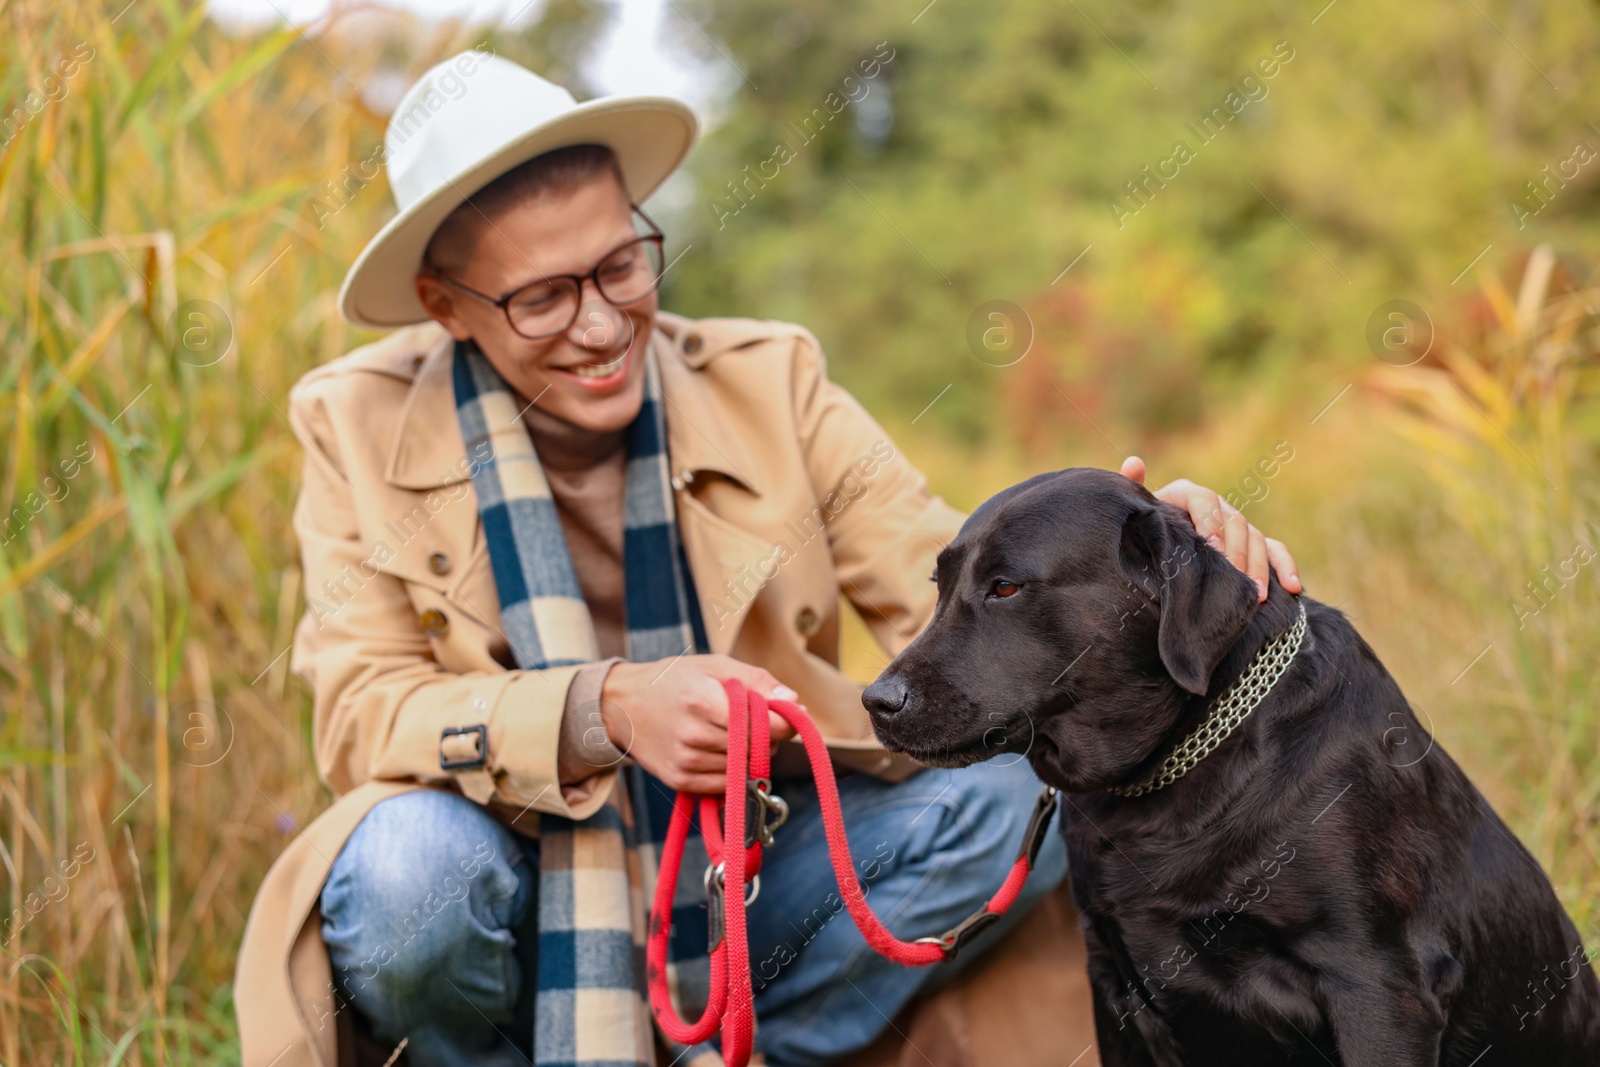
(747, 803)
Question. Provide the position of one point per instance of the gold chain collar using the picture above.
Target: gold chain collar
(1234, 707)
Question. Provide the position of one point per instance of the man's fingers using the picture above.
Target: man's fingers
(1204, 506)
(1258, 562)
(1216, 512)
(754, 678)
(716, 711)
(705, 738)
(695, 761)
(1225, 529)
(1133, 467)
(714, 738)
(1283, 564)
(700, 783)
(1236, 539)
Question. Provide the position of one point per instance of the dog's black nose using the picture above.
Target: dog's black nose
(885, 697)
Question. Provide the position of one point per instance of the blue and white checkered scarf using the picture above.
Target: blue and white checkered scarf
(595, 875)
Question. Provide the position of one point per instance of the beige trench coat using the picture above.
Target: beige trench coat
(788, 495)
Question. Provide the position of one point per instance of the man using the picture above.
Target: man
(540, 524)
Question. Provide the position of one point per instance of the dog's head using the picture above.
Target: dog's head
(1076, 616)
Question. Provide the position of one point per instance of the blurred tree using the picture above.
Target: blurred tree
(988, 154)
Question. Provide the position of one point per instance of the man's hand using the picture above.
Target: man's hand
(1225, 529)
(672, 716)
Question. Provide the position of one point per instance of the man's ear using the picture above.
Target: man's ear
(440, 305)
(1206, 602)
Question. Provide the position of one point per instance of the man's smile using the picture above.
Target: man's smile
(599, 375)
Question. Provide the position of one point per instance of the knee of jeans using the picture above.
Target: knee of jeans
(421, 875)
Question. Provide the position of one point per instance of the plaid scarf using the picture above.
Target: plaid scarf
(596, 875)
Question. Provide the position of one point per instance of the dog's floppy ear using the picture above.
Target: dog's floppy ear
(1206, 602)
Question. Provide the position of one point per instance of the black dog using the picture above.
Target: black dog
(1325, 887)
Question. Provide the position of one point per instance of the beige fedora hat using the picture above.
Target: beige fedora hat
(465, 122)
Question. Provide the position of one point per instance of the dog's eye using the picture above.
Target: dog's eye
(1002, 588)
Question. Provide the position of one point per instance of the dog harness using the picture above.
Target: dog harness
(1234, 707)
(750, 814)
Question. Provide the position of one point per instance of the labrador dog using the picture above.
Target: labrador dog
(1311, 880)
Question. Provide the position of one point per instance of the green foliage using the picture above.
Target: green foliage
(1381, 159)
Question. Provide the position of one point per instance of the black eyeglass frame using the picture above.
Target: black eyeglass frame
(593, 275)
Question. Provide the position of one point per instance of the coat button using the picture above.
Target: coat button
(807, 621)
(438, 563)
(434, 623)
(692, 343)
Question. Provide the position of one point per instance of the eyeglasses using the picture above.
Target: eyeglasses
(625, 275)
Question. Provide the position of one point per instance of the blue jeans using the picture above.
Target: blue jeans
(428, 913)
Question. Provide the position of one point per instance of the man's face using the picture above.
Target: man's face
(558, 233)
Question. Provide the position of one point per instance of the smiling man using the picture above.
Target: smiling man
(541, 522)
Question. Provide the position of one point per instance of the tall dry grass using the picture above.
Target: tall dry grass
(164, 280)
(1502, 416)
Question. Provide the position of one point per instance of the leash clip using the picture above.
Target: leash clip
(716, 915)
(759, 803)
(962, 934)
(1033, 840)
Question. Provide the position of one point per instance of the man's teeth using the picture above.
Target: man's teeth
(585, 370)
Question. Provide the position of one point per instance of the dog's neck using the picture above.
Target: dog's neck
(1270, 621)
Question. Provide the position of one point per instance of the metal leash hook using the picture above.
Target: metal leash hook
(963, 933)
(761, 801)
(1039, 824)
(716, 899)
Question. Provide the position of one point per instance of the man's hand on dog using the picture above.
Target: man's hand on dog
(672, 716)
(1225, 528)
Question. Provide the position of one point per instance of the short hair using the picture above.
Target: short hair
(556, 171)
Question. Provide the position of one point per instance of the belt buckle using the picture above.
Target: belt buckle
(470, 763)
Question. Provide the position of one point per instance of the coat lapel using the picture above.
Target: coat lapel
(439, 513)
(426, 452)
(698, 444)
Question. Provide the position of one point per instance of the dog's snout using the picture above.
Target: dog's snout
(885, 697)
